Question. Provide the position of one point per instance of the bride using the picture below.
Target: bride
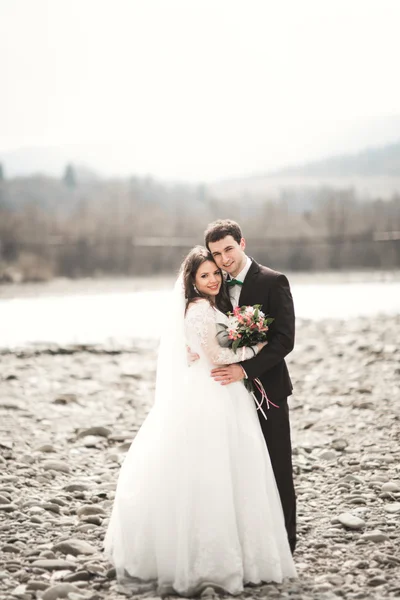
(196, 502)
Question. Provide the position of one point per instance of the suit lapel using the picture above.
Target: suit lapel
(248, 283)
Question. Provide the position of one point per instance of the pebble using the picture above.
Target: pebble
(328, 455)
(66, 399)
(75, 547)
(55, 465)
(78, 576)
(54, 564)
(375, 536)
(350, 521)
(90, 509)
(375, 581)
(77, 487)
(98, 431)
(92, 441)
(208, 592)
(390, 508)
(8, 507)
(59, 591)
(37, 585)
(46, 448)
(339, 445)
(10, 548)
(390, 486)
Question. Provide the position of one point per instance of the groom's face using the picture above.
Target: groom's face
(229, 255)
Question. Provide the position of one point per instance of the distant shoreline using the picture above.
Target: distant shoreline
(91, 285)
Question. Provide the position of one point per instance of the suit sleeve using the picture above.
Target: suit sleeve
(282, 331)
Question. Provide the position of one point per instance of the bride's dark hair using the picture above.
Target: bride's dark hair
(196, 257)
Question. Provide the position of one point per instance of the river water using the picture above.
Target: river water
(118, 313)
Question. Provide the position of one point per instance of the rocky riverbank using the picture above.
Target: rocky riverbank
(68, 415)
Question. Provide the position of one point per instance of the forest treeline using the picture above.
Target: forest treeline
(73, 228)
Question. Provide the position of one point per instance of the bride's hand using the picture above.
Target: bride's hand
(192, 357)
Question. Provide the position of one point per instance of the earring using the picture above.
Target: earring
(195, 289)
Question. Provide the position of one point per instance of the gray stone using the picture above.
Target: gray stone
(46, 448)
(339, 445)
(375, 536)
(350, 521)
(81, 596)
(61, 590)
(78, 576)
(208, 592)
(91, 441)
(90, 509)
(19, 591)
(77, 487)
(328, 455)
(11, 548)
(352, 479)
(75, 547)
(390, 486)
(95, 431)
(66, 399)
(376, 581)
(49, 506)
(94, 519)
(56, 465)
(37, 585)
(47, 554)
(85, 527)
(8, 507)
(390, 508)
(54, 564)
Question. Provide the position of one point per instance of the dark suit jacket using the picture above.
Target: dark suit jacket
(271, 289)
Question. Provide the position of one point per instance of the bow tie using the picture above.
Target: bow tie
(232, 282)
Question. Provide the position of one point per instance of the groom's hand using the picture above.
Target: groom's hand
(228, 374)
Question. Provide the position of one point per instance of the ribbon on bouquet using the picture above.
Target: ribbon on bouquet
(264, 396)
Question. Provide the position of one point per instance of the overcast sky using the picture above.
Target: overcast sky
(198, 89)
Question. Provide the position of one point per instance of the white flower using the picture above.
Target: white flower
(233, 323)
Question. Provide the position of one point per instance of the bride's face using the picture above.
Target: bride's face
(208, 279)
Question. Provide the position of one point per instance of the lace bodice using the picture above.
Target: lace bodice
(201, 335)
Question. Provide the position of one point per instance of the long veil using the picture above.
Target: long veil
(172, 365)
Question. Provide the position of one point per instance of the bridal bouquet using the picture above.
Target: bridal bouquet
(246, 326)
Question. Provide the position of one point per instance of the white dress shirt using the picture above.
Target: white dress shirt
(235, 290)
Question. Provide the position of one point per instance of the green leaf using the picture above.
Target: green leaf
(235, 345)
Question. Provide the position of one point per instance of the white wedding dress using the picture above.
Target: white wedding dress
(196, 502)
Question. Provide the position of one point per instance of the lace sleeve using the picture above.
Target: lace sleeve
(201, 318)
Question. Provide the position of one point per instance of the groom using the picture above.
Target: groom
(250, 283)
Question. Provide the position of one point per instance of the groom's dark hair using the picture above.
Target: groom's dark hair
(219, 229)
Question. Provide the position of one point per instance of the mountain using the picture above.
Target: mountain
(371, 173)
(368, 163)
